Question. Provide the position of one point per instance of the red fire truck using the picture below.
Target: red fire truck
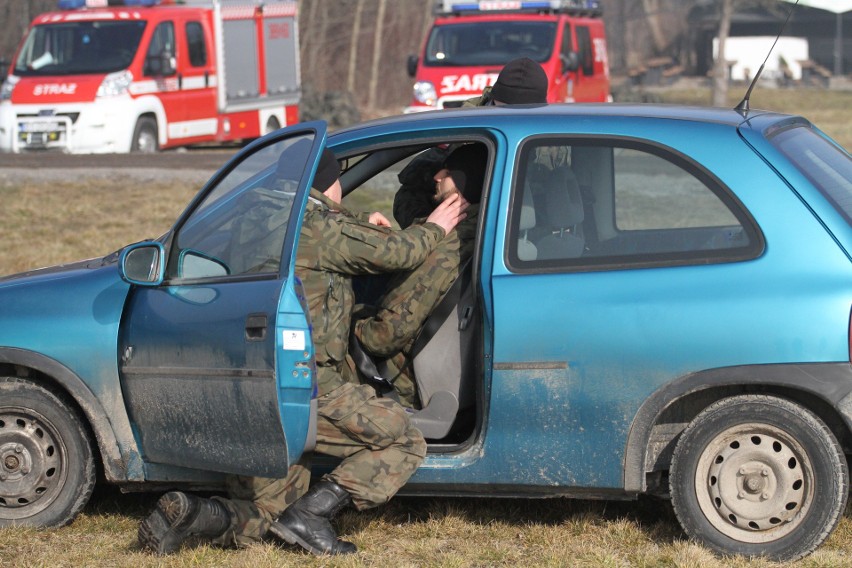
(140, 75)
(471, 41)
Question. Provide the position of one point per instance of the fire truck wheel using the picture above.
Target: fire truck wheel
(272, 125)
(145, 136)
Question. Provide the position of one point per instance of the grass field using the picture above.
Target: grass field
(61, 221)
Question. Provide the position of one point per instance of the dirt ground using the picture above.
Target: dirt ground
(206, 159)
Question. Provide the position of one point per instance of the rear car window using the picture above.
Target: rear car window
(828, 167)
(597, 204)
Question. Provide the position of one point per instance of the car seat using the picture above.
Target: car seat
(443, 360)
(560, 207)
(526, 249)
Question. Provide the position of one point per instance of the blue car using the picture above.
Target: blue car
(659, 303)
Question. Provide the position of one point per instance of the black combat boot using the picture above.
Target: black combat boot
(306, 522)
(179, 516)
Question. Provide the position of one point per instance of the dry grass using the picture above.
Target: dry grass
(416, 532)
(65, 220)
(60, 221)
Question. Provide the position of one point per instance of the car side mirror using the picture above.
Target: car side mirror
(161, 65)
(169, 64)
(143, 264)
(411, 65)
(570, 61)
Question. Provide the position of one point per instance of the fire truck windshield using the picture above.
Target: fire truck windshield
(488, 43)
(72, 48)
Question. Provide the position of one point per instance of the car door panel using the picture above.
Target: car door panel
(216, 363)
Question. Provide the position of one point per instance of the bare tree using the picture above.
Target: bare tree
(377, 51)
(353, 46)
(654, 15)
(720, 67)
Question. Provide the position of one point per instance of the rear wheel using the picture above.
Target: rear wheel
(759, 476)
(47, 470)
(145, 136)
(272, 125)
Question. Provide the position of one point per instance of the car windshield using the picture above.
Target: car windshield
(828, 167)
(489, 43)
(71, 48)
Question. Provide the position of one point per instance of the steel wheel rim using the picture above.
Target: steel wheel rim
(754, 483)
(33, 462)
(146, 142)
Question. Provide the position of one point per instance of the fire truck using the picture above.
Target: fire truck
(469, 43)
(119, 76)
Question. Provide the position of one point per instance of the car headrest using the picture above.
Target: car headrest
(527, 212)
(563, 203)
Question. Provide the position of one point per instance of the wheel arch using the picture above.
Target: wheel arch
(152, 107)
(64, 383)
(823, 388)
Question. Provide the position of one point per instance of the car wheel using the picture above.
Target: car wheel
(758, 476)
(145, 136)
(272, 125)
(47, 471)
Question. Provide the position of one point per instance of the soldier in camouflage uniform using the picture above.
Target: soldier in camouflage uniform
(521, 81)
(379, 448)
(400, 314)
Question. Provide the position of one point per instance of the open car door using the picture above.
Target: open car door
(216, 358)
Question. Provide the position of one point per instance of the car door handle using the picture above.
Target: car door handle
(256, 327)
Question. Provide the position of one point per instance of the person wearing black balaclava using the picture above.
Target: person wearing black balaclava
(521, 81)
(389, 333)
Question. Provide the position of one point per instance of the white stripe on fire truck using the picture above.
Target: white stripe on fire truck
(170, 85)
(190, 128)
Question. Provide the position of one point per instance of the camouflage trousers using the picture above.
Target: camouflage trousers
(380, 450)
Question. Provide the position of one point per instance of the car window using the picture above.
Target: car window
(240, 225)
(161, 48)
(587, 56)
(828, 167)
(489, 43)
(377, 192)
(77, 48)
(595, 204)
(196, 45)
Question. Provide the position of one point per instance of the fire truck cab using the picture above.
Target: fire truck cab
(470, 42)
(102, 76)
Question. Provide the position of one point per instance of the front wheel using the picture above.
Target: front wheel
(47, 471)
(758, 476)
(145, 136)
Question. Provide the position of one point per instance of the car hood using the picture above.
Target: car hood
(69, 313)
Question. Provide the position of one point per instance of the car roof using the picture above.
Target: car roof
(495, 115)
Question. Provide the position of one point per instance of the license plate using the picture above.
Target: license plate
(41, 126)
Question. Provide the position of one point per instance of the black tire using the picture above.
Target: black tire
(759, 476)
(47, 470)
(145, 136)
(272, 125)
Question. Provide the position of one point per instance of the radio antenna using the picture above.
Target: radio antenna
(743, 107)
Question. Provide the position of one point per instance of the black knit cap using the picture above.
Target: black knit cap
(522, 81)
(466, 165)
(327, 172)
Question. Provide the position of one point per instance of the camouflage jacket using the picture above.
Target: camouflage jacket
(412, 295)
(335, 245)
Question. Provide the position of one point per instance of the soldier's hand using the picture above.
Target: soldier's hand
(448, 214)
(376, 218)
